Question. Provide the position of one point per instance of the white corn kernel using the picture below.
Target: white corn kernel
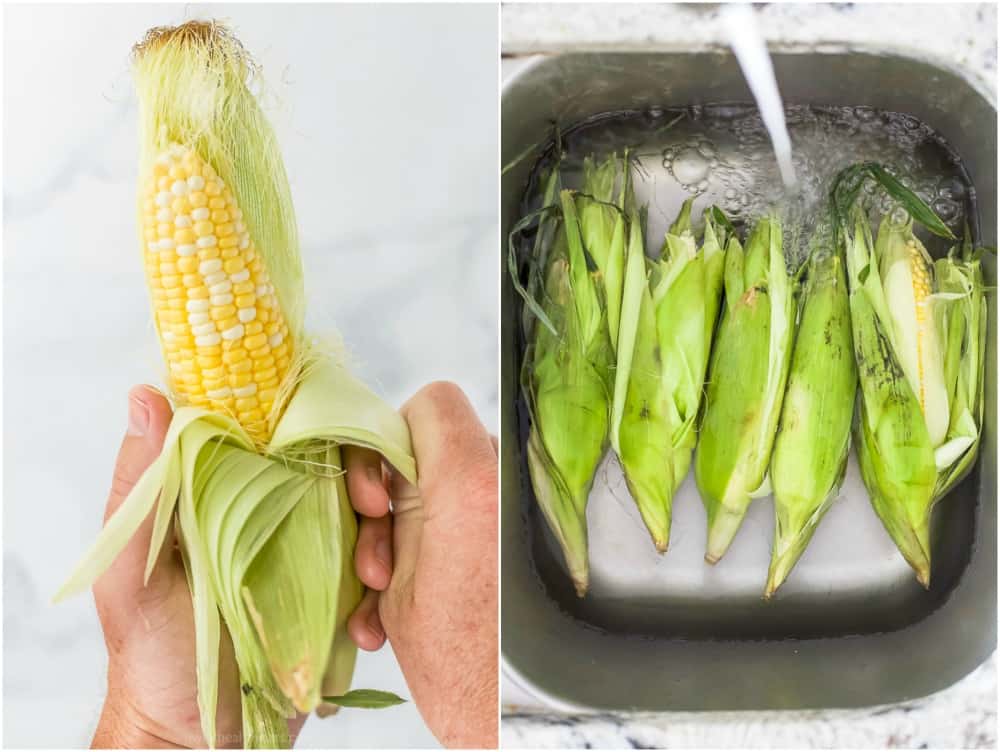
(215, 278)
(246, 391)
(223, 299)
(164, 215)
(179, 188)
(207, 340)
(166, 244)
(199, 305)
(233, 333)
(194, 319)
(246, 315)
(206, 328)
(210, 266)
(188, 249)
(276, 339)
(220, 288)
(196, 182)
(163, 198)
(207, 241)
(241, 276)
(199, 214)
(218, 394)
(182, 220)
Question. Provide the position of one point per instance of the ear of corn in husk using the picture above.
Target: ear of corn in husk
(746, 382)
(250, 472)
(669, 311)
(565, 376)
(810, 451)
(919, 334)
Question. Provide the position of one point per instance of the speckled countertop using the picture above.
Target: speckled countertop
(955, 36)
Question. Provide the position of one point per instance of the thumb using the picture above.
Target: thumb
(454, 457)
(149, 416)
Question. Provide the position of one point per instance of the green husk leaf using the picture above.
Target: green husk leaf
(365, 698)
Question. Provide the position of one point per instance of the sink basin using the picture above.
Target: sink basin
(851, 627)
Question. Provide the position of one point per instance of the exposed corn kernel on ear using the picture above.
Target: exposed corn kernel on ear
(894, 448)
(746, 382)
(810, 451)
(907, 277)
(217, 225)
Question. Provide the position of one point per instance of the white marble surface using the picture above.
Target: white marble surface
(956, 35)
(388, 117)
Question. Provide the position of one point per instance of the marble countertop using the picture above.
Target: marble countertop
(959, 36)
(394, 178)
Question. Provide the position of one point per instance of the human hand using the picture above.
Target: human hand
(149, 630)
(431, 565)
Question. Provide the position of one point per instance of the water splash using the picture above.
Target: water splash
(751, 52)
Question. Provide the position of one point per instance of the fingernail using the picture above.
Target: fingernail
(375, 625)
(138, 416)
(383, 552)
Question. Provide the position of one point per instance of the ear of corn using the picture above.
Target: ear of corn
(810, 451)
(746, 382)
(919, 334)
(640, 423)
(250, 467)
(894, 447)
(688, 295)
(565, 376)
(668, 317)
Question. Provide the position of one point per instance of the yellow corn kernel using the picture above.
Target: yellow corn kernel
(255, 342)
(224, 313)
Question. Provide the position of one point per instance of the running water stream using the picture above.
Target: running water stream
(755, 62)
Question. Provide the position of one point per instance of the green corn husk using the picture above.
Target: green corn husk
(603, 231)
(814, 436)
(747, 375)
(669, 312)
(565, 375)
(266, 530)
(920, 335)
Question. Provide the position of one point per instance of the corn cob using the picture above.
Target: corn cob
(251, 464)
(919, 333)
(810, 451)
(668, 316)
(746, 383)
(223, 335)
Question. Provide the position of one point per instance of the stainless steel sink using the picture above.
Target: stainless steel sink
(851, 627)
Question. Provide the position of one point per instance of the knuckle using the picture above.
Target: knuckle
(442, 395)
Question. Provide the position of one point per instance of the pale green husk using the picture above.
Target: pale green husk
(814, 434)
(746, 384)
(267, 533)
(669, 311)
